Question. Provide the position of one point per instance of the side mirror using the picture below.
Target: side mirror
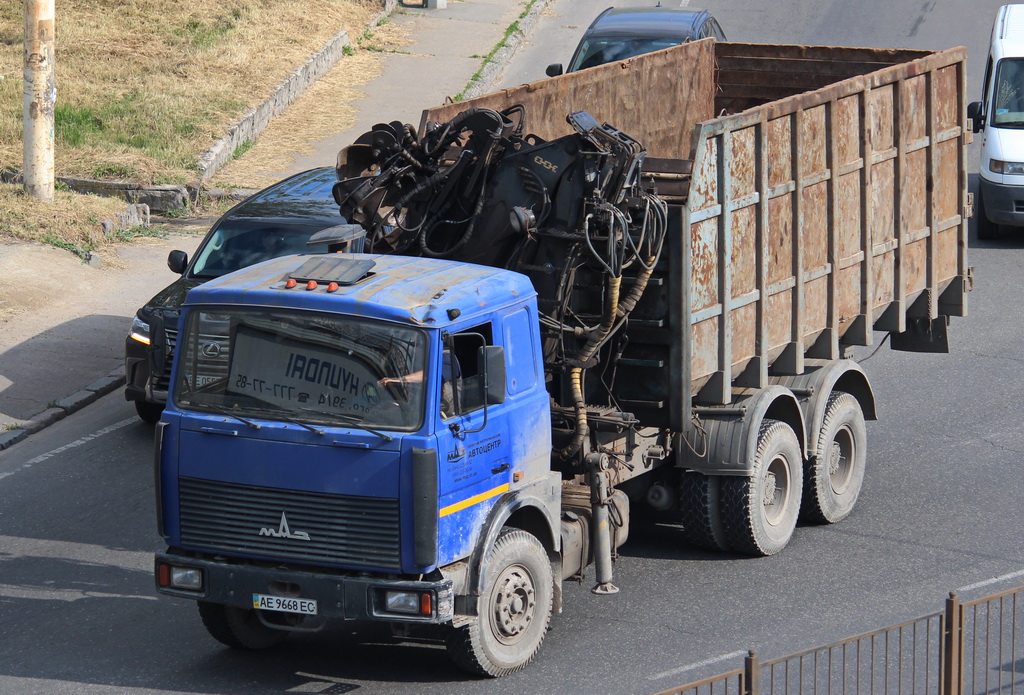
(493, 359)
(554, 70)
(976, 116)
(177, 261)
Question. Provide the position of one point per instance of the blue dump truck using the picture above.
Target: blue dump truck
(552, 325)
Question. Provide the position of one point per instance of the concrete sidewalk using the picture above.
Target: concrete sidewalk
(62, 348)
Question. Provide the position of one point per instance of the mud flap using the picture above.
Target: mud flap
(923, 335)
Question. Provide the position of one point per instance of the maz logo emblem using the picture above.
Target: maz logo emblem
(284, 532)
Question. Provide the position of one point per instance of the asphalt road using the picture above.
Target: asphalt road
(940, 509)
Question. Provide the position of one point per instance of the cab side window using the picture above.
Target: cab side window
(466, 370)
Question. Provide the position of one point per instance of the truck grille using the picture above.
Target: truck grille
(341, 529)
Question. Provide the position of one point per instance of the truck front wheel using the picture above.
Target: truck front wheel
(238, 627)
(759, 512)
(835, 475)
(513, 611)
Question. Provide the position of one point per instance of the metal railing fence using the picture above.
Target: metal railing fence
(970, 648)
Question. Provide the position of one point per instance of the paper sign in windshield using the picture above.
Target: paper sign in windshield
(294, 374)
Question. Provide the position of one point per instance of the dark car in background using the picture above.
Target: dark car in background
(276, 221)
(620, 33)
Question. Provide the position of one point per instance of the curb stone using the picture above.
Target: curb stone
(490, 73)
(64, 407)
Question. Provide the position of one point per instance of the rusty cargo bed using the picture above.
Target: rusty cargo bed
(825, 194)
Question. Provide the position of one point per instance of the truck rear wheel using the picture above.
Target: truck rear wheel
(759, 512)
(238, 627)
(701, 511)
(513, 611)
(834, 477)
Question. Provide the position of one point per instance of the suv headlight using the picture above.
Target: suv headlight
(139, 331)
(1010, 168)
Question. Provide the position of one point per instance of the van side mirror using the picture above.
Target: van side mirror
(177, 261)
(493, 359)
(976, 116)
(554, 70)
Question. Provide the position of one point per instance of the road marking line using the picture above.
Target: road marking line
(706, 662)
(48, 594)
(78, 442)
(18, 547)
(684, 3)
(994, 580)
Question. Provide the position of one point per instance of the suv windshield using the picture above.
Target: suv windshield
(596, 52)
(1009, 94)
(304, 367)
(242, 242)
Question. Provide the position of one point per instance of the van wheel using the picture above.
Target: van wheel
(238, 627)
(701, 511)
(987, 229)
(759, 512)
(513, 611)
(834, 477)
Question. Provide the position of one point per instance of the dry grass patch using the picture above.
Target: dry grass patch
(144, 86)
(72, 221)
(323, 110)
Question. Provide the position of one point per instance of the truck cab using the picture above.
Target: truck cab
(999, 117)
(370, 421)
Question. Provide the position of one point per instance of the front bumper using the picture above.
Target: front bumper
(139, 384)
(1004, 204)
(348, 597)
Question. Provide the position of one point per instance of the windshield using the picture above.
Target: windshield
(1008, 102)
(305, 367)
(596, 52)
(239, 243)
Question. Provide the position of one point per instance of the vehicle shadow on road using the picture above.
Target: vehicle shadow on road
(47, 367)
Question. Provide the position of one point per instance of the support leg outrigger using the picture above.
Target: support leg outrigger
(597, 465)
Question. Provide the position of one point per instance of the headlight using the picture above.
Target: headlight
(139, 331)
(409, 602)
(1009, 168)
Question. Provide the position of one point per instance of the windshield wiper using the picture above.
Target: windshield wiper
(353, 420)
(227, 411)
(277, 415)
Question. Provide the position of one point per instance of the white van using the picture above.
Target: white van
(1000, 117)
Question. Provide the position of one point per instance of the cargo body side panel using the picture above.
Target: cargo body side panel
(816, 219)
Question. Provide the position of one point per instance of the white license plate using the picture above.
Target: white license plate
(264, 602)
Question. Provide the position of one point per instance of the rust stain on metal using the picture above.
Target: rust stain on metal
(630, 95)
(704, 248)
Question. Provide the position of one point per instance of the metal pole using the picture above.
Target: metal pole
(751, 674)
(952, 647)
(40, 97)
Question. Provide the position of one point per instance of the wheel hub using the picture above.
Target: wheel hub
(515, 602)
(770, 489)
(775, 493)
(840, 461)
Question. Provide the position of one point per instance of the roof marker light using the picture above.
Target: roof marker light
(291, 283)
(311, 285)
(333, 287)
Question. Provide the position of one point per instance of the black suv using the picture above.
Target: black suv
(276, 221)
(620, 33)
